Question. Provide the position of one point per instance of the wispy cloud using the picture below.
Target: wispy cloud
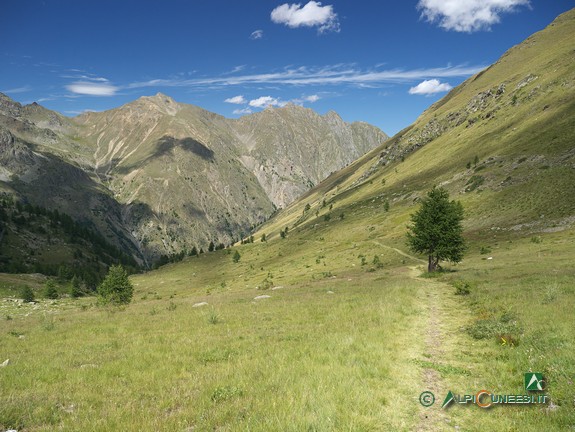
(17, 90)
(85, 78)
(78, 112)
(257, 34)
(313, 14)
(305, 76)
(468, 15)
(92, 88)
(429, 87)
(241, 111)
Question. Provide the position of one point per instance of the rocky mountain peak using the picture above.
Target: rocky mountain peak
(9, 107)
(160, 102)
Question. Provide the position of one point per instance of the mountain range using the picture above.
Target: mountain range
(156, 177)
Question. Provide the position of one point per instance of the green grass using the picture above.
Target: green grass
(303, 359)
(336, 347)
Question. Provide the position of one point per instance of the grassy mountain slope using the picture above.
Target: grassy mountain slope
(351, 332)
(501, 142)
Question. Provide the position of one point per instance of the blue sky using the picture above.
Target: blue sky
(383, 62)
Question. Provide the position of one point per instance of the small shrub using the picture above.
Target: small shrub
(484, 250)
(462, 287)
(236, 257)
(172, 306)
(377, 262)
(536, 239)
(213, 317)
(26, 294)
(266, 284)
(48, 323)
(474, 182)
(551, 292)
(505, 330)
(221, 394)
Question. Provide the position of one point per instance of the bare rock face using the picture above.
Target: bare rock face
(293, 148)
(180, 176)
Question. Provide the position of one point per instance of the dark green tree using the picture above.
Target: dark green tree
(211, 247)
(116, 288)
(236, 257)
(50, 291)
(263, 237)
(436, 229)
(26, 294)
(76, 287)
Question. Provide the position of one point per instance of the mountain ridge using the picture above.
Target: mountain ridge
(181, 176)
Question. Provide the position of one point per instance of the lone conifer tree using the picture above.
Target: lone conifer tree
(116, 287)
(436, 229)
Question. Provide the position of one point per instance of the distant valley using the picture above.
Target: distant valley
(156, 177)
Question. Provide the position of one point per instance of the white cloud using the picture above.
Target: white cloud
(258, 34)
(266, 101)
(242, 111)
(92, 88)
(312, 98)
(467, 15)
(429, 87)
(238, 100)
(313, 14)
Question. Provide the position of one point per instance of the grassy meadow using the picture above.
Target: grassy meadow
(346, 341)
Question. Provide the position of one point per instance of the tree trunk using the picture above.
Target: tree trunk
(432, 264)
